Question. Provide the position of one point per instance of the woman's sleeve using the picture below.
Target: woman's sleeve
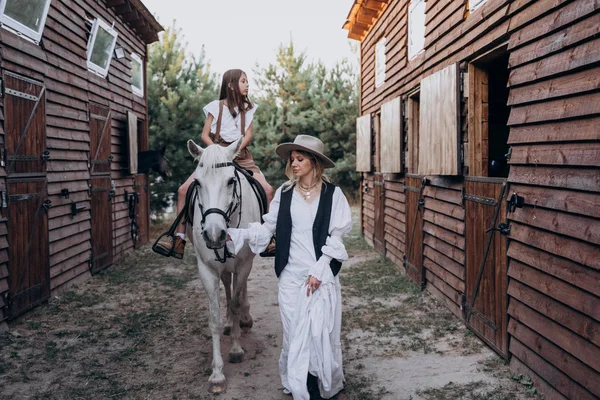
(340, 224)
(258, 235)
(212, 108)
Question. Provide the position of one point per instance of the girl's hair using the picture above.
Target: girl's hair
(318, 170)
(230, 91)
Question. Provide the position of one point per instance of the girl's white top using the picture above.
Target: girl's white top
(231, 129)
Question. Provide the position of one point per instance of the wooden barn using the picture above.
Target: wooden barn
(73, 116)
(479, 148)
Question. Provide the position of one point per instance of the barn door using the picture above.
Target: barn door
(379, 193)
(486, 278)
(26, 199)
(415, 203)
(142, 208)
(101, 190)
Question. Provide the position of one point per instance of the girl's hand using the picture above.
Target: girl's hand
(312, 284)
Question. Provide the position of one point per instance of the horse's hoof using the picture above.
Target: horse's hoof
(246, 325)
(217, 387)
(236, 358)
(227, 331)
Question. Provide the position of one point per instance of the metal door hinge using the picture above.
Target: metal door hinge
(3, 157)
(4, 197)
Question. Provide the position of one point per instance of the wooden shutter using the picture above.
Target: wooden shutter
(100, 152)
(439, 130)
(363, 143)
(132, 140)
(391, 143)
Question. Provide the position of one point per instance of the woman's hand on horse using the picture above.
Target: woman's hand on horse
(312, 284)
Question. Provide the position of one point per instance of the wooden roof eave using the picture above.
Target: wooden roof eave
(138, 17)
(362, 16)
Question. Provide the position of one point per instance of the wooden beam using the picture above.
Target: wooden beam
(114, 3)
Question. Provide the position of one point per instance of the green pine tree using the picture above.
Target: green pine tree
(179, 86)
(297, 97)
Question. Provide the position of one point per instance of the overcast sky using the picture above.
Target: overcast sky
(241, 33)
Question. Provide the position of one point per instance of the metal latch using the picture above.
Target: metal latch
(515, 201)
(111, 194)
(4, 198)
(47, 204)
(503, 228)
(45, 156)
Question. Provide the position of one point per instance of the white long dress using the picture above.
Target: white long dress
(311, 324)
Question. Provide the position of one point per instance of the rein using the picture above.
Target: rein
(235, 204)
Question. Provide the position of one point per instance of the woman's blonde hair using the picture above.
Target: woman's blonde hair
(318, 169)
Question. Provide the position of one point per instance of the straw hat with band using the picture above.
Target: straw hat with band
(307, 143)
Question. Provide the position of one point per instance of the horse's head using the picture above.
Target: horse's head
(155, 160)
(218, 189)
(161, 166)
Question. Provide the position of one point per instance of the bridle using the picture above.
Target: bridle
(235, 204)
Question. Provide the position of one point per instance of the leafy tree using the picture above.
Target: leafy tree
(297, 97)
(179, 86)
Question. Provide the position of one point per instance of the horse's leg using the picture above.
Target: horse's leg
(246, 321)
(226, 278)
(210, 281)
(236, 353)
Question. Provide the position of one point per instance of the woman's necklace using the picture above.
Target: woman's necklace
(307, 191)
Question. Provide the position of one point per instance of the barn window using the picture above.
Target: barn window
(380, 63)
(137, 75)
(391, 142)
(412, 132)
(439, 123)
(100, 47)
(26, 17)
(475, 4)
(416, 28)
(363, 143)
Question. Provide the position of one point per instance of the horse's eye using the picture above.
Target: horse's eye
(231, 181)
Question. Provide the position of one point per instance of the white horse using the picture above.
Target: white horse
(224, 198)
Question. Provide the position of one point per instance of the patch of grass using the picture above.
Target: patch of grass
(377, 278)
(139, 323)
(358, 387)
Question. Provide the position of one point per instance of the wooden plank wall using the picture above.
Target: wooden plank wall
(554, 264)
(444, 239)
(60, 62)
(554, 250)
(4, 284)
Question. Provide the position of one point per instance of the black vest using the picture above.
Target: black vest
(320, 229)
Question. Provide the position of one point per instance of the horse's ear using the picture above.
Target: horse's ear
(234, 148)
(163, 149)
(194, 149)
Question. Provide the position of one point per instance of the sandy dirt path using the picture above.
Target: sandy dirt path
(139, 330)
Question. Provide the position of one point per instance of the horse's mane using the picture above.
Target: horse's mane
(212, 155)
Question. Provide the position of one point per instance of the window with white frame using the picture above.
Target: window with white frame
(380, 63)
(101, 45)
(475, 4)
(137, 75)
(416, 28)
(26, 17)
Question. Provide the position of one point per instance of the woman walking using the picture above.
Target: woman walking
(309, 216)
